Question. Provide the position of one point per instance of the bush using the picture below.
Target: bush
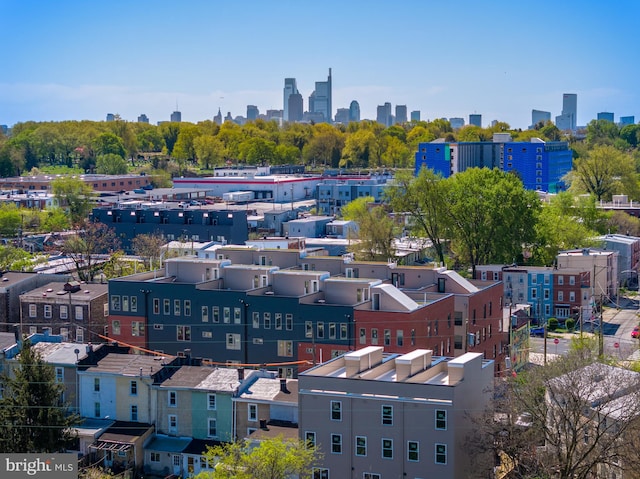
(553, 324)
(570, 324)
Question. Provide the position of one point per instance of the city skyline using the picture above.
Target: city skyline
(76, 61)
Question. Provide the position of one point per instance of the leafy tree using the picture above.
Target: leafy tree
(91, 240)
(119, 265)
(602, 132)
(491, 215)
(359, 149)
(75, 194)
(170, 132)
(631, 134)
(17, 259)
(109, 143)
(324, 147)
(419, 134)
(423, 198)
(184, 149)
(396, 154)
(150, 139)
(276, 458)
(111, 164)
(375, 229)
(10, 220)
(33, 417)
(623, 223)
(54, 219)
(209, 151)
(605, 171)
(148, 247)
(257, 151)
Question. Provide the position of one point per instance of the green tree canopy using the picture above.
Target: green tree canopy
(376, 231)
(33, 417)
(74, 195)
(111, 164)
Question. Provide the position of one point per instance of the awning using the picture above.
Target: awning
(111, 446)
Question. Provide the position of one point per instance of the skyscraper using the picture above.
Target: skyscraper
(252, 112)
(354, 111)
(415, 115)
(475, 120)
(568, 119)
(320, 99)
(176, 116)
(605, 115)
(456, 123)
(342, 116)
(296, 107)
(290, 88)
(538, 116)
(143, 118)
(383, 114)
(401, 113)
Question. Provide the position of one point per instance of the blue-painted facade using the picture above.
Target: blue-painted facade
(540, 165)
(540, 295)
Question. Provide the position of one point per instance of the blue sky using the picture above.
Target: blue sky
(75, 60)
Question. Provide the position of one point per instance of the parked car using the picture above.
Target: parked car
(636, 332)
(539, 331)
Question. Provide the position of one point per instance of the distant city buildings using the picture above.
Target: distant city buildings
(538, 116)
(384, 115)
(401, 114)
(252, 112)
(342, 115)
(290, 88)
(143, 118)
(415, 115)
(475, 120)
(567, 120)
(295, 107)
(320, 101)
(456, 123)
(605, 115)
(111, 117)
(218, 118)
(176, 116)
(354, 111)
(627, 120)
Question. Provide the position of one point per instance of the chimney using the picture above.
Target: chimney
(263, 424)
(240, 374)
(283, 385)
(412, 363)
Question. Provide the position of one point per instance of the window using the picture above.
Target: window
(332, 330)
(361, 446)
(288, 322)
(134, 413)
(252, 412)
(187, 307)
(176, 307)
(155, 457)
(172, 398)
(215, 314)
(363, 336)
(237, 316)
(374, 336)
(387, 337)
(308, 329)
(441, 420)
(285, 348)
(96, 385)
(336, 410)
(33, 311)
(212, 429)
(205, 314)
(226, 315)
(546, 294)
(560, 280)
(336, 443)
(256, 320)
(211, 402)
(137, 328)
(134, 304)
(115, 303)
(560, 295)
(387, 415)
(400, 337)
(156, 306)
(266, 317)
(47, 311)
(166, 306)
(320, 330)
(344, 332)
(133, 388)
(320, 473)
(278, 320)
(441, 453)
(413, 451)
(96, 409)
(572, 296)
(387, 448)
(183, 333)
(310, 439)
(125, 303)
(64, 312)
(79, 313)
(370, 475)
(79, 335)
(572, 280)
(59, 375)
(233, 341)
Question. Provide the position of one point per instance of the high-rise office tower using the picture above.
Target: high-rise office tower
(320, 99)
(475, 120)
(354, 111)
(456, 123)
(218, 118)
(296, 107)
(252, 112)
(383, 114)
(568, 119)
(415, 115)
(538, 116)
(176, 116)
(401, 113)
(111, 117)
(342, 116)
(290, 88)
(605, 115)
(143, 118)
(627, 120)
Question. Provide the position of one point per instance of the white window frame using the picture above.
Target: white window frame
(252, 412)
(364, 445)
(338, 411)
(335, 444)
(64, 311)
(437, 419)
(172, 398)
(416, 452)
(386, 449)
(386, 418)
(211, 401)
(214, 421)
(33, 310)
(47, 311)
(436, 453)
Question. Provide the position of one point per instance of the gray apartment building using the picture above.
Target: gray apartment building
(379, 416)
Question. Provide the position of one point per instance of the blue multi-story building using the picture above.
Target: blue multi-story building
(333, 193)
(540, 165)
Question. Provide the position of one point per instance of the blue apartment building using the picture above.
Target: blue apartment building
(540, 165)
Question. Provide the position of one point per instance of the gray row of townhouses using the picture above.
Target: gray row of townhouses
(372, 414)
